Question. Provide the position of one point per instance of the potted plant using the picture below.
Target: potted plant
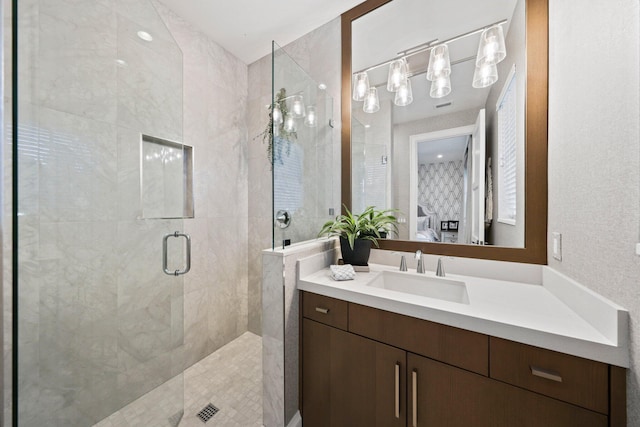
(358, 232)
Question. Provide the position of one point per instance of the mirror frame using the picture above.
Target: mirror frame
(536, 128)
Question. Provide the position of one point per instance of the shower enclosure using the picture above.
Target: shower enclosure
(103, 180)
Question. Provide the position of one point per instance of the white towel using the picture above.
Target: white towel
(342, 272)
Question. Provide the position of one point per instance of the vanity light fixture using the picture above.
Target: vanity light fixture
(360, 86)
(290, 124)
(297, 106)
(439, 63)
(404, 95)
(397, 74)
(371, 101)
(485, 75)
(441, 87)
(491, 48)
(277, 115)
(310, 119)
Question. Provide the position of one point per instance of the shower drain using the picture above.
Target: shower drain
(207, 412)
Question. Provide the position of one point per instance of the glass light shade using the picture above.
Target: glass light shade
(439, 63)
(290, 124)
(360, 86)
(277, 115)
(297, 106)
(485, 75)
(440, 87)
(310, 120)
(397, 74)
(371, 101)
(491, 48)
(404, 95)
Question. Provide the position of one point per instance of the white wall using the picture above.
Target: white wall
(594, 164)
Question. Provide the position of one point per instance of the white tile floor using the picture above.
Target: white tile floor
(230, 379)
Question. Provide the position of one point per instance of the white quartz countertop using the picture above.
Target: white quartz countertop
(526, 313)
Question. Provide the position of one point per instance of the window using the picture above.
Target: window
(288, 188)
(507, 138)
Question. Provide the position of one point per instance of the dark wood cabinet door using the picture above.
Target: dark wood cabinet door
(446, 396)
(349, 380)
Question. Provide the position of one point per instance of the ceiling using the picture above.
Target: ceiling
(246, 27)
(450, 149)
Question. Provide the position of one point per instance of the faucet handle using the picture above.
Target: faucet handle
(403, 260)
(440, 268)
(420, 268)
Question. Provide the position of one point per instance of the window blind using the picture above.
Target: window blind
(507, 153)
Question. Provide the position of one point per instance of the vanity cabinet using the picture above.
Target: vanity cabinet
(377, 368)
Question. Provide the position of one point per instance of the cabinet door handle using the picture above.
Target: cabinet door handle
(397, 390)
(322, 310)
(543, 373)
(414, 397)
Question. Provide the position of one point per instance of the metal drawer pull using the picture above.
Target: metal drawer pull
(397, 390)
(549, 375)
(322, 310)
(414, 397)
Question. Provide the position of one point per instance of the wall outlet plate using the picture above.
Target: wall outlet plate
(637, 248)
(557, 245)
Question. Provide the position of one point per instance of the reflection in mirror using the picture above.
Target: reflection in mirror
(446, 145)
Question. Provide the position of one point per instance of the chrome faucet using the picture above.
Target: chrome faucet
(420, 268)
(440, 268)
(403, 263)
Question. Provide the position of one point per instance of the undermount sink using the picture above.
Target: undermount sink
(425, 286)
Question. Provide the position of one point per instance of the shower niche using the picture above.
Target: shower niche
(166, 178)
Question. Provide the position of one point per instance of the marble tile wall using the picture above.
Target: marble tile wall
(100, 323)
(281, 338)
(215, 102)
(318, 54)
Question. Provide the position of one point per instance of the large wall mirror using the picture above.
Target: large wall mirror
(444, 113)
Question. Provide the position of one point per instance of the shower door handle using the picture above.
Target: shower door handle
(165, 254)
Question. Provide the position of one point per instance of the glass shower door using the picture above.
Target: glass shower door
(302, 152)
(102, 179)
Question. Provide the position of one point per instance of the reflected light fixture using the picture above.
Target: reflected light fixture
(491, 48)
(439, 63)
(371, 101)
(360, 86)
(404, 95)
(310, 118)
(290, 124)
(297, 106)
(277, 115)
(441, 87)
(485, 75)
(397, 74)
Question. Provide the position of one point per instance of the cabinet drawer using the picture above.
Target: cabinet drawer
(572, 379)
(330, 311)
(457, 347)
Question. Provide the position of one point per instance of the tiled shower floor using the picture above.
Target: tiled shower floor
(230, 379)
